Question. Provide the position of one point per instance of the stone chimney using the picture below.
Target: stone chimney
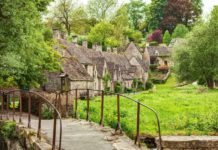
(146, 56)
(74, 39)
(99, 48)
(115, 50)
(85, 44)
(108, 49)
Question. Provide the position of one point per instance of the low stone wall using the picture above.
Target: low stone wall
(26, 139)
(189, 142)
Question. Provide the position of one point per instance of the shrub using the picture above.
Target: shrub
(153, 67)
(156, 36)
(47, 112)
(149, 85)
(180, 31)
(128, 90)
(141, 85)
(8, 130)
(118, 87)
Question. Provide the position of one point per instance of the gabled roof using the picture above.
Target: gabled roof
(158, 51)
(99, 62)
(74, 70)
(132, 51)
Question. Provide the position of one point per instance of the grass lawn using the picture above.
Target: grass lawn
(187, 110)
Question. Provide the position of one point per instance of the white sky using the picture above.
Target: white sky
(208, 4)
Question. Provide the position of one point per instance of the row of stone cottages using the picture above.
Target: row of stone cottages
(84, 68)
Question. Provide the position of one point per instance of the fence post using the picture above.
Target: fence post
(20, 99)
(102, 109)
(29, 110)
(76, 101)
(40, 118)
(67, 104)
(118, 114)
(87, 112)
(13, 99)
(54, 131)
(137, 138)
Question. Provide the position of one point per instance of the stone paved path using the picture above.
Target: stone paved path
(82, 135)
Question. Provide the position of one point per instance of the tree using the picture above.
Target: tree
(196, 59)
(24, 55)
(137, 13)
(155, 13)
(133, 35)
(156, 36)
(167, 38)
(100, 9)
(62, 13)
(103, 33)
(180, 12)
(180, 31)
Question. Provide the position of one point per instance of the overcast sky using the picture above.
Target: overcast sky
(208, 4)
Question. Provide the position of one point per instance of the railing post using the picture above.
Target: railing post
(2, 111)
(76, 101)
(7, 98)
(29, 110)
(137, 138)
(54, 131)
(102, 109)
(118, 114)
(13, 99)
(67, 104)
(39, 123)
(87, 112)
(20, 99)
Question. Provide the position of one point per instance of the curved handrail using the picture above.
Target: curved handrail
(45, 100)
(136, 101)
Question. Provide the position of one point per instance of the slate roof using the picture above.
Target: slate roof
(74, 70)
(162, 50)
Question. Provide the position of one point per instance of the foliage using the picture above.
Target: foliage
(133, 35)
(156, 36)
(47, 112)
(118, 88)
(155, 13)
(197, 58)
(101, 9)
(180, 31)
(24, 55)
(167, 38)
(149, 85)
(137, 12)
(8, 130)
(103, 33)
(106, 78)
(177, 8)
(184, 109)
(48, 34)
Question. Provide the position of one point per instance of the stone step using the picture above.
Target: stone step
(189, 142)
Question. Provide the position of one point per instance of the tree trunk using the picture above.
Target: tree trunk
(210, 83)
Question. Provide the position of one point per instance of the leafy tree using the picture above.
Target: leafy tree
(100, 9)
(155, 13)
(134, 35)
(62, 13)
(180, 12)
(137, 12)
(24, 55)
(156, 36)
(167, 38)
(180, 31)
(102, 33)
(196, 59)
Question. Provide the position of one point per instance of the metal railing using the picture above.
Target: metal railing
(118, 127)
(6, 96)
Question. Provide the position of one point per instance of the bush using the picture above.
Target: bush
(153, 43)
(156, 36)
(8, 130)
(47, 112)
(180, 31)
(128, 90)
(153, 67)
(118, 87)
(141, 86)
(167, 38)
(149, 85)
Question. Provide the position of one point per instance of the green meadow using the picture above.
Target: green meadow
(186, 110)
